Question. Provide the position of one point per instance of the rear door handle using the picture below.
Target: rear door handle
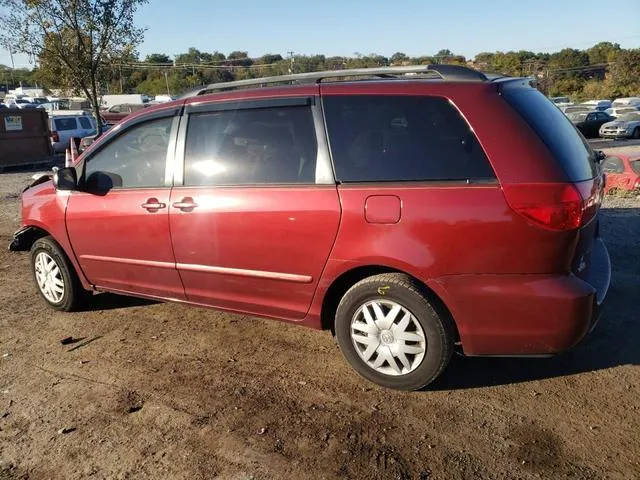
(186, 204)
(153, 205)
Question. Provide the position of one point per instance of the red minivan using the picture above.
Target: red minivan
(413, 211)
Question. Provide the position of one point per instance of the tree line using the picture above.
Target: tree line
(603, 71)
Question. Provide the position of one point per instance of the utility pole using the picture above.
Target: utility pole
(167, 82)
(291, 60)
(121, 89)
(13, 67)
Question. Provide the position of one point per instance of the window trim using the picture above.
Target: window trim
(250, 104)
(122, 128)
(324, 170)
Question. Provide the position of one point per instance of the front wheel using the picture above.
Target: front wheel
(55, 276)
(390, 333)
(636, 133)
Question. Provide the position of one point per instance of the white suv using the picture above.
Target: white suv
(65, 125)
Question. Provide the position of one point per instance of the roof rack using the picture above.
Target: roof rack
(454, 73)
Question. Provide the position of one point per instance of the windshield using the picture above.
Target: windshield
(635, 165)
(578, 116)
(630, 117)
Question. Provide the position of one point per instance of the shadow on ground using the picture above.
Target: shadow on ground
(111, 301)
(614, 342)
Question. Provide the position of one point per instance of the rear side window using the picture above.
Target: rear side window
(63, 124)
(613, 165)
(85, 123)
(635, 166)
(251, 147)
(401, 138)
(555, 130)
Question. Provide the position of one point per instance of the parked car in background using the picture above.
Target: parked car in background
(625, 126)
(567, 109)
(589, 123)
(626, 102)
(22, 104)
(35, 100)
(85, 142)
(108, 101)
(65, 125)
(622, 172)
(615, 112)
(389, 212)
(598, 105)
(163, 98)
(561, 101)
(114, 114)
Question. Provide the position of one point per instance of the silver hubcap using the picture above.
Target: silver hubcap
(388, 337)
(49, 277)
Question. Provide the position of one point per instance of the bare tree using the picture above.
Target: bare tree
(75, 39)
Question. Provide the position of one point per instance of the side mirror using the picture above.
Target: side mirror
(100, 183)
(599, 155)
(65, 179)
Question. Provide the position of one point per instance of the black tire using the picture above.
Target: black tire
(636, 133)
(74, 296)
(439, 331)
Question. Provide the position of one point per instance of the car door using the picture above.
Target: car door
(590, 125)
(118, 220)
(601, 119)
(254, 210)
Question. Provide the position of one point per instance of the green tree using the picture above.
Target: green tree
(270, 58)
(398, 57)
(82, 37)
(569, 58)
(625, 72)
(506, 63)
(444, 53)
(158, 58)
(603, 52)
(239, 58)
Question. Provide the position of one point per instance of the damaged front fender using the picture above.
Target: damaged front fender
(24, 238)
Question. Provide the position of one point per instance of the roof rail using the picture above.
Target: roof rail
(455, 73)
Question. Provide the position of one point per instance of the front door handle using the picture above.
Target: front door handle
(153, 205)
(186, 204)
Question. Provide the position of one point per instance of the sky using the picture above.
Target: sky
(415, 27)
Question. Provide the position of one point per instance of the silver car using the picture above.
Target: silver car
(625, 126)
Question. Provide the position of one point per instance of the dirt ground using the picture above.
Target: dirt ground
(167, 391)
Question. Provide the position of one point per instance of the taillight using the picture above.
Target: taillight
(55, 137)
(637, 184)
(555, 206)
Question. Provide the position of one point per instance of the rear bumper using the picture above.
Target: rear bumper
(522, 315)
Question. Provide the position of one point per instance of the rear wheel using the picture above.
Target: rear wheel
(55, 276)
(390, 333)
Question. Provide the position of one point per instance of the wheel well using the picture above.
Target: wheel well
(25, 239)
(345, 281)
